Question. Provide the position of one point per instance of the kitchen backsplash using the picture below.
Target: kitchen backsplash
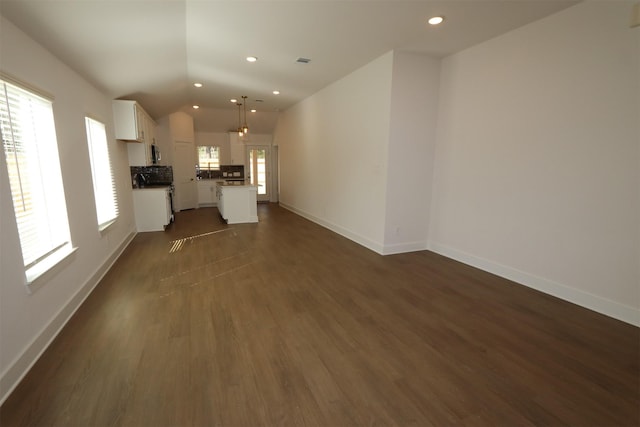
(153, 175)
(209, 174)
(163, 175)
(235, 171)
(225, 171)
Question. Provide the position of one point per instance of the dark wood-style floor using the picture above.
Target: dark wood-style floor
(286, 323)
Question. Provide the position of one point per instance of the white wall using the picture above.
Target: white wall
(29, 321)
(410, 156)
(333, 149)
(535, 171)
(357, 156)
(537, 160)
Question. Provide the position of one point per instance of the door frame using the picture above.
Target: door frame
(186, 191)
(248, 147)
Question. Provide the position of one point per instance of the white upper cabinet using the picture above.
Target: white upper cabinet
(129, 119)
(135, 126)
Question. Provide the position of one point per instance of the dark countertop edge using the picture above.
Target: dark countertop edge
(152, 187)
(225, 185)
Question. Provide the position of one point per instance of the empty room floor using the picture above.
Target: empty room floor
(285, 323)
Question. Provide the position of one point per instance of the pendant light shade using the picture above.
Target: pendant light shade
(245, 128)
(240, 131)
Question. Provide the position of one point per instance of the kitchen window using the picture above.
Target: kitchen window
(208, 157)
(104, 187)
(31, 154)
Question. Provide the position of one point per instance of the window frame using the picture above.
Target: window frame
(207, 167)
(35, 178)
(102, 176)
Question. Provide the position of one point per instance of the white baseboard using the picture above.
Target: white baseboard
(400, 248)
(369, 244)
(593, 302)
(12, 376)
(396, 248)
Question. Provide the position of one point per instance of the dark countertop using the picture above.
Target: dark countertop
(235, 184)
(152, 187)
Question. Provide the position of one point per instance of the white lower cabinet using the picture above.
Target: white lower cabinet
(237, 203)
(207, 192)
(152, 207)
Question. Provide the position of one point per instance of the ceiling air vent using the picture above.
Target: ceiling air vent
(302, 60)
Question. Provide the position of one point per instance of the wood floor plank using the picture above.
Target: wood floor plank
(284, 323)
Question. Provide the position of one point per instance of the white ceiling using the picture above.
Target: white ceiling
(154, 50)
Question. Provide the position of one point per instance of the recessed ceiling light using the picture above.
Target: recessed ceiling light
(195, 107)
(251, 59)
(276, 92)
(253, 110)
(197, 84)
(435, 20)
(233, 100)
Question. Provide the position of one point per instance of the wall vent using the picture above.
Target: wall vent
(302, 60)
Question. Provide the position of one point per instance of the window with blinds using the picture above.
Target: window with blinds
(31, 154)
(208, 157)
(104, 187)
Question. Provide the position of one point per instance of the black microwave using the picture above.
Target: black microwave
(155, 154)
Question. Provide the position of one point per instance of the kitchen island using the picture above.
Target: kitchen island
(237, 202)
(207, 189)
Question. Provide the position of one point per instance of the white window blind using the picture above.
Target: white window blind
(31, 153)
(104, 188)
(208, 157)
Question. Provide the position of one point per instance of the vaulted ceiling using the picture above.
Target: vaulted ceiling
(154, 50)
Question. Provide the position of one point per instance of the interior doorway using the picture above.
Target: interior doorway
(184, 176)
(259, 170)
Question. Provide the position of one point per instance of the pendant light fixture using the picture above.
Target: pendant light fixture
(245, 128)
(240, 131)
